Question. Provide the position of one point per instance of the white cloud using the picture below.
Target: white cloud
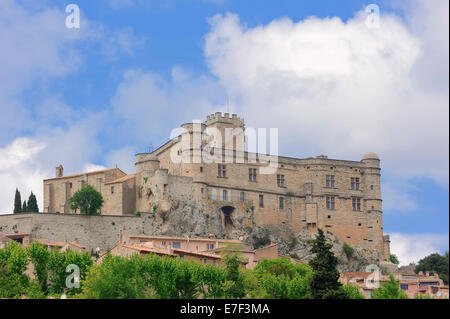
(121, 41)
(92, 167)
(124, 158)
(18, 169)
(147, 105)
(413, 247)
(37, 48)
(341, 87)
(397, 197)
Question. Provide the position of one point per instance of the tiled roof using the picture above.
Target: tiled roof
(82, 174)
(184, 238)
(49, 242)
(122, 179)
(353, 274)
(190, 252)
(76, 244)
(146, 249)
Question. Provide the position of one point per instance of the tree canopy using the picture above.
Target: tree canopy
(325, 280)
(17, 202)
(88, 200)
(437, 263)
(32, 205)
(389, 290)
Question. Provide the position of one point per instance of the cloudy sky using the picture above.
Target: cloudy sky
(330, 78)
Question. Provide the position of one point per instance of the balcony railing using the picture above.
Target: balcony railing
(230, 198)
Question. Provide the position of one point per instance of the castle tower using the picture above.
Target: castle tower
(231, 130)
(372, 205)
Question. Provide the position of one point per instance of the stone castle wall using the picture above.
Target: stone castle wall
(89, 231)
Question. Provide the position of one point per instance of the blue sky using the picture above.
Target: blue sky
(93, 97)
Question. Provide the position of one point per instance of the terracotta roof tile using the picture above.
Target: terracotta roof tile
(86, 173)
(122, 179)
(190, 252)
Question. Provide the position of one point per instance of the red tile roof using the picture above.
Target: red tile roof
(145, 249)
(82, 174)
(122, 179)
(190, 252)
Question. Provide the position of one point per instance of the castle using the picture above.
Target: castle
(339, 196)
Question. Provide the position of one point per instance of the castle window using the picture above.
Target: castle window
(252, 174)
(241, 197)
(280, 180)
(70, 185)
(354, 181)
(201, 169)
(281, 202)
(221, 170)
(112, 189)
(371, 187)
(261, 201)
(213, 194)
(330, 202)
(356, 204)
(163, 243)
(224, 195)
(209, 246)
(330, 181)
(329, 216)
(359, 224)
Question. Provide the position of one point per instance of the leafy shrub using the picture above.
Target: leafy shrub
(348, 250)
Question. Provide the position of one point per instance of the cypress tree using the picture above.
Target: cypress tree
(32, 205)
(17, 203)
(324, 283)
(24, 207)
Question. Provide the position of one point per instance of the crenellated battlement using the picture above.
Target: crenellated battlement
(225, 118)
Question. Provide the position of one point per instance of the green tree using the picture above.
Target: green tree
(13, 263)
(389, 290)
(324, 283)
(352, 292)
(436, 263)
(348, 250)
(234, 284)
(17, 203)
(282, 279)
(88, 200)
(394, 259)
(32, 205)
(24, 207)
(39, 256)
(56, 268)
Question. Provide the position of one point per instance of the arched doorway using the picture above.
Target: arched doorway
(227, 212)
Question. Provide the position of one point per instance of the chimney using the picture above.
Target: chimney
(211, 236)
(59, 170)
